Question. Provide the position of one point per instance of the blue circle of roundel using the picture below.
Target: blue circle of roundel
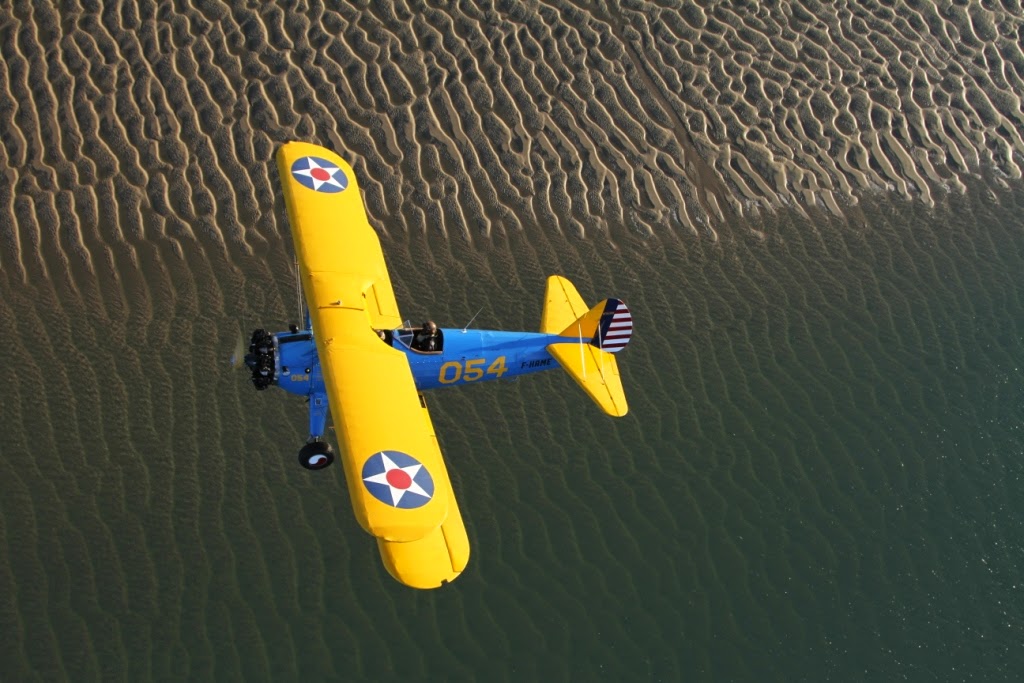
(398, 479)
(319, 174)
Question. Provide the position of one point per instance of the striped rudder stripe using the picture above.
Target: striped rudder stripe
(615, 328)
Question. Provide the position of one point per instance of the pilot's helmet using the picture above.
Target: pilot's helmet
(430, 326)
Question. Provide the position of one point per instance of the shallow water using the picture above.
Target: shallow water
(819, 478)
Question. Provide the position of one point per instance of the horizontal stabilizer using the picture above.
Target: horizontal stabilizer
(596, 371)
(563, 305)
(608, 325)
(592, 335)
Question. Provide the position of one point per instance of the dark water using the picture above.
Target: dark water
(820, 477)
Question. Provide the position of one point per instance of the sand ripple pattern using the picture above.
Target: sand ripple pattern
(495, 115)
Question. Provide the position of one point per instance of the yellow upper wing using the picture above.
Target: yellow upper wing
(379, 416)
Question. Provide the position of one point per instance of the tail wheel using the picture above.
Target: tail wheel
(316, 455)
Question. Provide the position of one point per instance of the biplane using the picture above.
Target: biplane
(355, 358)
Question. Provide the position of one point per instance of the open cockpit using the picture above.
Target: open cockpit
(424, 340)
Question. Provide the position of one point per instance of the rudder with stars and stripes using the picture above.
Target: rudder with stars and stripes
(615, 328)
(608, 326)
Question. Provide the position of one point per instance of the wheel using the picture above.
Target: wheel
(316, 455)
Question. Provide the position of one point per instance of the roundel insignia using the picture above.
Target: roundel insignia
(319, 174)
(398, 479)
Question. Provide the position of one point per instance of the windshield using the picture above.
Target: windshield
(404, 335)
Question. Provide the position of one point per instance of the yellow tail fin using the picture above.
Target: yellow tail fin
(581, 355)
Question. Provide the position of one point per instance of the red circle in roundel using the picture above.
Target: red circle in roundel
(399, 479)
(319, 174)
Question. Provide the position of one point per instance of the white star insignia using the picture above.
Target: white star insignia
(326, 175)
(396, 492)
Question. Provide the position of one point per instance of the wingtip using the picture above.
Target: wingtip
(431, 562)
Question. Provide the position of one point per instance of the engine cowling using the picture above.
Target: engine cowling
(262, 359)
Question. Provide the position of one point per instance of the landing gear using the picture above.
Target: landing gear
(316, 455)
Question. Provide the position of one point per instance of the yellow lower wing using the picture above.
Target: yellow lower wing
(396, 476)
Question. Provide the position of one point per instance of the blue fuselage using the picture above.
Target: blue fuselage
(472, 356)
(290, 361)
(466, 357)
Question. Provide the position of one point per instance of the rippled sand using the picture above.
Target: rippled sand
(153, 521)
(470, 119)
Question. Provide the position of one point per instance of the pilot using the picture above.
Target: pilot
(427, 338)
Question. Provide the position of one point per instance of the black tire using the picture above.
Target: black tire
(316, 455)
